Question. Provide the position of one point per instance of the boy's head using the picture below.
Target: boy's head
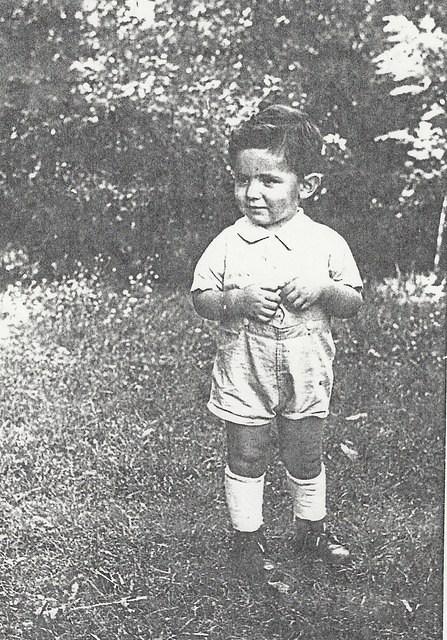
(284, 131)
(272, 157)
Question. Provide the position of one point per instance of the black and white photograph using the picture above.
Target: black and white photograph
(223, 279)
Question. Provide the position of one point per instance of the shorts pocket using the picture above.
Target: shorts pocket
(324, 345)
(310, 364)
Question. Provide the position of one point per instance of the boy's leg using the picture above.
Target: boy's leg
(248, 451)
(301, 447)
(247, 459)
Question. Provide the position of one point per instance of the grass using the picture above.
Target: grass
(112, 516)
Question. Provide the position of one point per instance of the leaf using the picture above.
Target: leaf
(143, 10)
(74, 589)
(398, 134)
(434, 111)
(400, 25)
(282, 587)
(407, 605)
(438, 153)
(352, 454)
(419, 154)
(413, 89)
(356, 416)
(427, 23)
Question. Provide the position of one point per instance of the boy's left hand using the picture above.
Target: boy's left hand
(301, 293)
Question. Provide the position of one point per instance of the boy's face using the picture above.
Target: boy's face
(266, 189)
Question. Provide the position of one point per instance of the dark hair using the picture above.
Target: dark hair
(283, 130)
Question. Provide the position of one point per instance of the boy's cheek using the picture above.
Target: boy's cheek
(239, 194)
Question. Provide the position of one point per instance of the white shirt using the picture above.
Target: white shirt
(246, 253)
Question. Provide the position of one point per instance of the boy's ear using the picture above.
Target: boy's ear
(310, 184)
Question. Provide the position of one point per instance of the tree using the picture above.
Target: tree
(115, 141)
(39, 40)
(417, 62)
(198, 67)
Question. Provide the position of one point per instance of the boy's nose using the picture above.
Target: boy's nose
(252, 192)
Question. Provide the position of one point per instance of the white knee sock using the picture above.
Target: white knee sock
(244, 500)
(309, 496)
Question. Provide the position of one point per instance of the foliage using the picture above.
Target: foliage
(115, 113)
(417, 61)
(113, 522)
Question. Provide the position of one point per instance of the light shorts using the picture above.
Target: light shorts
(262, 371)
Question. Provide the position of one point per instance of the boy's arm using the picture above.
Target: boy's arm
(338, 290)
(253, 301)
(343, 296)
(217, 305)
(341, 300)
(337, 298)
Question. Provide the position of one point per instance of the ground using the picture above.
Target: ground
(113, 521)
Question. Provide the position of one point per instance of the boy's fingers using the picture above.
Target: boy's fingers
(269, 310)
(301, 303)
(270, 288)
(293, 297)
(274, 298)
(296, 301)
(291, 291)
(271, 294)
(288, 288)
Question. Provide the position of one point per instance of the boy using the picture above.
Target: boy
(273, 280)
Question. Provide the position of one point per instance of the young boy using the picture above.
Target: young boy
(273, 280)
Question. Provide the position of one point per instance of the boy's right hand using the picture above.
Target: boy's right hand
(259, 303)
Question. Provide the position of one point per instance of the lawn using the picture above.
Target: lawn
(112, 516)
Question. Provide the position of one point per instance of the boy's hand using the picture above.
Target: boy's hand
(259, 303)
(300, 293)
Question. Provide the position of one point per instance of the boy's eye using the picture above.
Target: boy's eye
(269, 181)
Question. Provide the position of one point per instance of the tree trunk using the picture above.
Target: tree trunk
(439, 239)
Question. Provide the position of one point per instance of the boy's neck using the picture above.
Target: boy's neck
(282, 223)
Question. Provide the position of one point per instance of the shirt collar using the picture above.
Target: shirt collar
(285, 233)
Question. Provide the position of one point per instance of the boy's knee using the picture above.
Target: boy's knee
(302, 462)
(248, 462)
(301, 446)
(304, 468)
(248, 449)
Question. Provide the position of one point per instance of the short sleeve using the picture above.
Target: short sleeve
(210, 269)
(342, 266)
